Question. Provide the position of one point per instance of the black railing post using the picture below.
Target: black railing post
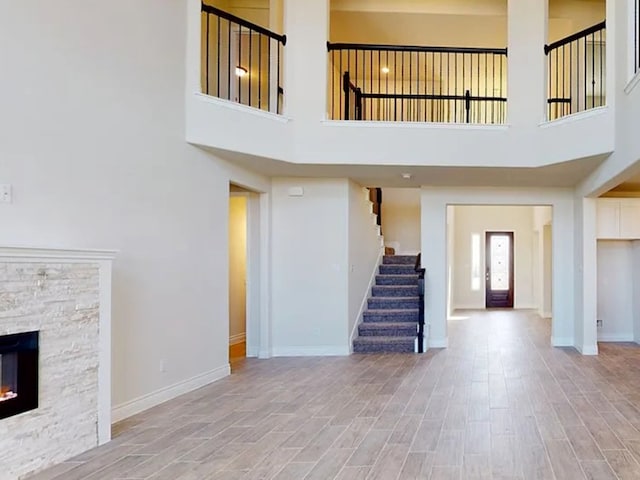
(467, 105)
(345, 87)
(420, 271)
(358, 104)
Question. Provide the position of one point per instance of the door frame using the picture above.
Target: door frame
(258, 318)
(487, 267)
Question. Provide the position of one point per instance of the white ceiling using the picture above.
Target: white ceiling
(565, 174)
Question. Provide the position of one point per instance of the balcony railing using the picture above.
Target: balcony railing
(417, 84)
(241, 61)
(577, 72)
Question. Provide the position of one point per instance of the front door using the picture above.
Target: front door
(499, 266)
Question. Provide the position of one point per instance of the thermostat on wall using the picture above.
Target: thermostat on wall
(296, 191)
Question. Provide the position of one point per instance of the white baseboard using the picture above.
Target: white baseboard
(316, 351)
(588, 349)
(140, 404)
(615, 337)
(439, 342)
(236, 339)
(252, 351)
(562, 341)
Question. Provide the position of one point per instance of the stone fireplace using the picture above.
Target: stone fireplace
(55, 342)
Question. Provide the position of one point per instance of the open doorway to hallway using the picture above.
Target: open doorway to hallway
(246, 274)
(499, 257)
(237, 273)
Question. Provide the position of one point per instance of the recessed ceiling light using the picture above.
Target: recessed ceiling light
(406, 176)
(384, 69)
(241, 71)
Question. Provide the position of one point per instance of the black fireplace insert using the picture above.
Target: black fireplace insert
(18, 373)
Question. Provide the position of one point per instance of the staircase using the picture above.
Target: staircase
(390, 322)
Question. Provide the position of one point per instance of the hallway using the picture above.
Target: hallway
(498, 403)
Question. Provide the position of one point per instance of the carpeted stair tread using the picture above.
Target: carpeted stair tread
(385, 279)
(396, 269)
(389, 325)
(399, 259)
(390, 315)
(394, 290)
(381, 329)
(386, 303)
(384, 344)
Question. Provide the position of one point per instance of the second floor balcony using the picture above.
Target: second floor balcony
(482, 65)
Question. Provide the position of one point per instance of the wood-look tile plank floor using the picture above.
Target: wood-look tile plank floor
(499, 403)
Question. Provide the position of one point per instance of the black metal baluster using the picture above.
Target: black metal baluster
(379, 80)
(206, 76)
(269, 76)
(585, 72)
(249, 69)
(229, 62)
(341, 103)
(260, 70)
(278, 87)
(402, 86)
(218, 60)
(603, 94)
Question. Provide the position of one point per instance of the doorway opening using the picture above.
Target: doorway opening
(499, 256)
(237, 273)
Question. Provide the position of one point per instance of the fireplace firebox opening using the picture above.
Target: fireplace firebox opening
(18, 373)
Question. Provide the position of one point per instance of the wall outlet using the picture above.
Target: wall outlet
(5, 193)
(598, 323)
(163, 367)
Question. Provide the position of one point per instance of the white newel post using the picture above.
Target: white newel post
(65, 295)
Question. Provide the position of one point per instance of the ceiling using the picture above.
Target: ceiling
(565, 174)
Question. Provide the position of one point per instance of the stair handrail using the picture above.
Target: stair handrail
(420, 271)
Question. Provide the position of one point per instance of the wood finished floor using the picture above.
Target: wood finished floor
(499, 403)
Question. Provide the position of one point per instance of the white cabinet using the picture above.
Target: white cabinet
(618, 218)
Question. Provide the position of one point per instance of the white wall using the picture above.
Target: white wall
(309, 267)
(97, 158)
(615, 290)
(480, 219)
(237, 268)
(401, 219)
(434, 248)
(365, 252)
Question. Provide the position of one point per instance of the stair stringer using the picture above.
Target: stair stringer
(372, 282)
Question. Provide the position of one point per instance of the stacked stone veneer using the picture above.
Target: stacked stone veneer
(61, 300)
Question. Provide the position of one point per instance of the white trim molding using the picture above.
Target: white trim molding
(615, 337)
(236, 339)
(562, 342)
(140, 404)
(439, 342)
(315, 351)
(588, 349)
